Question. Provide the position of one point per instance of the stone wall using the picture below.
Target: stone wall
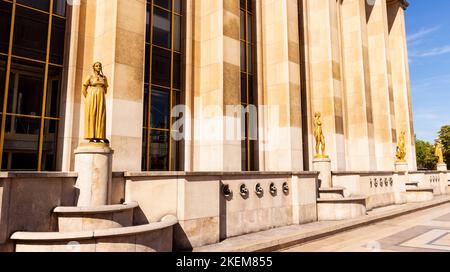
(206, 215)
(28, 199)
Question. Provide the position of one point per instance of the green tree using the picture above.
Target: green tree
(425, 155)
(444, 136)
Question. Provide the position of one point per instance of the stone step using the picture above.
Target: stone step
(333, 209)
(76, 219)
(422, 194)
(331, 193)
(144, 238)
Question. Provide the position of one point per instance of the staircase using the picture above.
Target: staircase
(111, 228)
(332, 205)
(416, 194)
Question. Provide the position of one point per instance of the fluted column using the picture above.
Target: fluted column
(279, 86)
(359, 118)
(324, 75)
(380, 82)
(400, 76)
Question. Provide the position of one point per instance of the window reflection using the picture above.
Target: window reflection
(28, 129)
(163, 82)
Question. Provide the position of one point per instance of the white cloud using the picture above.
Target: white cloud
(422, 33)
(437, 51)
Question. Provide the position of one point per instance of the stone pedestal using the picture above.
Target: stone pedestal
(324, 167)
(93, 163)
(442, 167)
(401, 167)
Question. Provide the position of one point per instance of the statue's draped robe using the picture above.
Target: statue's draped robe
(95, 108)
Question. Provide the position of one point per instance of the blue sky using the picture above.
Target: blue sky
(428, 31)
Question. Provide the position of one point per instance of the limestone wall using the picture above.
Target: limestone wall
(206, 215)
(28, 199)
(380, 188)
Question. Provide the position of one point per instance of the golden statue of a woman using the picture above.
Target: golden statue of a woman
(401, 148)
(320, 138)
(94, 91)
(438, 152)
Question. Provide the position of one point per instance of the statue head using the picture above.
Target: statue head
(98, 68)
(317, 115)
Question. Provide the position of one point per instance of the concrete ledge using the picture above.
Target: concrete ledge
(281, 238)
(419, 194)
(38, 175)
(342, 200)
(167, 221)
(333, 189)
(426, 189)
(219, 174)
(362, 173)
(95, 210)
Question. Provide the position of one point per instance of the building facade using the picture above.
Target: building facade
(250, 75)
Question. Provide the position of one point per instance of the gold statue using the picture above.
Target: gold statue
(318, 135)
(94, 91)
(438, 152)
(401, 148)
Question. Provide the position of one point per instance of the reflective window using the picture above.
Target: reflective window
(163, 84)
(29, 123)
(248, 85)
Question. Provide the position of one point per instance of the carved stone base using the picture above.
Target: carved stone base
(442, 167)
(401, 167)
(93, 163)
(324, 167)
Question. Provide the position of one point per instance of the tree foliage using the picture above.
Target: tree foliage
(425, 155)
(444, 135)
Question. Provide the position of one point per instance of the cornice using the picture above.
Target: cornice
(403, 3)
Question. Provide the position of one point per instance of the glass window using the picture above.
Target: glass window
(160, 113)
(5, 25)
(59, 7)
(147, 24)
(146, 103)
(25, 88)
(24, 115)
(248, 84)
(57, 40)
(161, 62)
(161, 28)
(53, 92)
(30, 34)
(147, 64)
(39, 4)
(159, 150)
(21, 143)
(163, 3)
(2, 80)
(177, 34)
(176, 71)
(178, 6)
(163, 82)
(49, 145)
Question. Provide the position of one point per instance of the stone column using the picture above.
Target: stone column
(380, 82)
(359, 118)
(231, 86)
(215, 83)
(93, 163)
(325, 80)
(279, 86)
(400, 76)
(112, 32)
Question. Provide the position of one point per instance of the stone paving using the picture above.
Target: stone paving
(384, 229)
(423, 231)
